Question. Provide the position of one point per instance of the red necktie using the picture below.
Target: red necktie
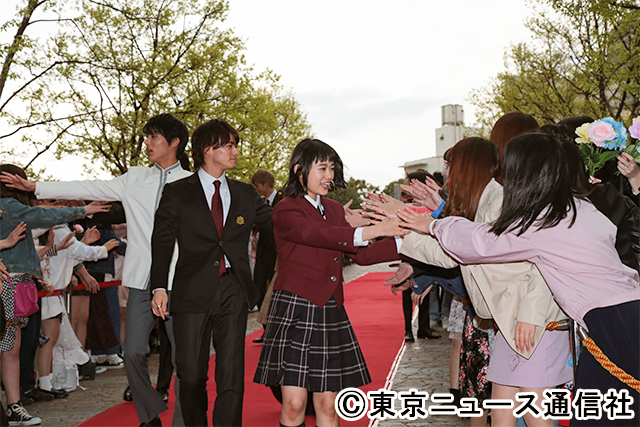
(218, 218)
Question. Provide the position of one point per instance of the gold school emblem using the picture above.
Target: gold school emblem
(240, 220)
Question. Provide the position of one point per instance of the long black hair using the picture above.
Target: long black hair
(539, 183)
(307, 152)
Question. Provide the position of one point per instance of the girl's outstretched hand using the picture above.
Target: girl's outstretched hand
(415, 221)
(389, 227)
(14, 237)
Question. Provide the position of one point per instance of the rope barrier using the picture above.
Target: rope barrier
(606, 363)
(42, 294)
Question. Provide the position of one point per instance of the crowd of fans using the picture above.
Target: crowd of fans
(496, 314)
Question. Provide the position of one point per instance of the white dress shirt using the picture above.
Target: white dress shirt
(225, 195)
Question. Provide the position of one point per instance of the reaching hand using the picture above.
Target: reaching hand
(384, 204)
(95, 207)
(525, 336)
(388, 227)
(14, 237)
(111, 244)
(426, 194)
(92, 235)
(66, 242)
(91, 284)
(356, 217)
(415, 221)
(17, 182)
(404, 271)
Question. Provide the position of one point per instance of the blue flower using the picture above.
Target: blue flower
(620, 141)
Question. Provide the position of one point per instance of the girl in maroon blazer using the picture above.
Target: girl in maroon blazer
(309, 344)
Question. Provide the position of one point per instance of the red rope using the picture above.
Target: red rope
(80, 286)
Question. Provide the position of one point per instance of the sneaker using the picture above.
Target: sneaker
(18, 416)
(100, 370)
(112, 361)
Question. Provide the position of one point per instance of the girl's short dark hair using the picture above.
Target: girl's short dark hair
(508, 126)
(539, 174)
(215, 133)
(24, 197)
(307, 152)
(473, 162)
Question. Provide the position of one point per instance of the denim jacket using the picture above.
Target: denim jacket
(23, 257)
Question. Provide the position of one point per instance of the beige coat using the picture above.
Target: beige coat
(508, 293)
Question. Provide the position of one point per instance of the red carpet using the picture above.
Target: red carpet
(376, 316)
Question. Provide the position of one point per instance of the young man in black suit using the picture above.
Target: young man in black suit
(211, 217)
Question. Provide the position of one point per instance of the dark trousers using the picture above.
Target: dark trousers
(423, 312)
(28, 348)
(226, 322)
(165, 370)
(616, 330)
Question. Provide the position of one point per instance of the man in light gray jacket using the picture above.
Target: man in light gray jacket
(139, 190)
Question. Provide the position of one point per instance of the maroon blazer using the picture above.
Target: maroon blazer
(310, 249)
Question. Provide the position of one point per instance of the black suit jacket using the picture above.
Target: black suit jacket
(184, 214)
(266, 255)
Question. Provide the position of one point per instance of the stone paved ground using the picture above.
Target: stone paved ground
(424, 366)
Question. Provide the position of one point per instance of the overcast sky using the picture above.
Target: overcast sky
(371, 74)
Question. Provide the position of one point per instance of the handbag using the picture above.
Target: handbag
(26, 298)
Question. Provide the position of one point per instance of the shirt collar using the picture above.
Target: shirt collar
(314, 203)
(170, 168)
(271, 197)
(207, 180)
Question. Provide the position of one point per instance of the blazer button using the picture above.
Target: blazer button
(220, 243)
(216, 263)
(507, 294)
(344, 243)
(494, 277)
(340, 243)
(334, 278)
(336, 259)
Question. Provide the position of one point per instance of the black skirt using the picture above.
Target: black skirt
(310, 347)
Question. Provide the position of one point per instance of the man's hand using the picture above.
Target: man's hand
(17, 182)
(159, 303)
(95, 207)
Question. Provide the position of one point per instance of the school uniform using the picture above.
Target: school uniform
(309, 341)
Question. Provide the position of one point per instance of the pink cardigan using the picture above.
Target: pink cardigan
(580, 264)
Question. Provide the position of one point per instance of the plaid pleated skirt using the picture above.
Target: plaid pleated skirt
(310, 347)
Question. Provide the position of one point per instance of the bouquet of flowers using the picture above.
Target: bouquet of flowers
(604, 139)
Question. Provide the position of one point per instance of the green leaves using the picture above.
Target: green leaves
(583, 59)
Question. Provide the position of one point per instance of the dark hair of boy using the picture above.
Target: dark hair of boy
(170, 127)
(215, 133)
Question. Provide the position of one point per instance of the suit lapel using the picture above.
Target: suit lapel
(202, 205)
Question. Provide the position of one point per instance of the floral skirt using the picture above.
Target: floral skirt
(474, 363)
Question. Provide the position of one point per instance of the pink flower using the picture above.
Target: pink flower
(78, 228)
(634, 129)
(601, 132)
